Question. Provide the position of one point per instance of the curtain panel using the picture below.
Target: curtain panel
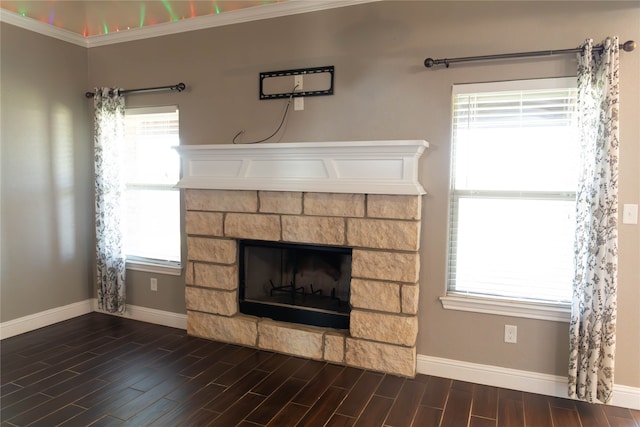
(593, 311)
(109, 190)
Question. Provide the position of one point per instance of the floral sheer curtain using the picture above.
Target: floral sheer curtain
(109, 190)
(593, 311)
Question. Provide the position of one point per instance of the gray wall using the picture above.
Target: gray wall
(383, 92)
(46, 174)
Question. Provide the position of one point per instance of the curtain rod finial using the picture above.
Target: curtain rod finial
(629, 46)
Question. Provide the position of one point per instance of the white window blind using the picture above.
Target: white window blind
(514, 176)
(152, 230)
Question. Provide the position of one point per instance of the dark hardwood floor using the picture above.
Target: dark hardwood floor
(102, 370)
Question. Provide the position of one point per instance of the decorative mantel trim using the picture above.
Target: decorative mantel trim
(361, 167)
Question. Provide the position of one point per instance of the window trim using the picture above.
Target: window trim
(556, 312)
(512, 307)
(171, 268)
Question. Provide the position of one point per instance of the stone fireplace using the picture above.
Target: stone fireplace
(363, 196)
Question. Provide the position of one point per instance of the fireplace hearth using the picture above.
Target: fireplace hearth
(304, 284)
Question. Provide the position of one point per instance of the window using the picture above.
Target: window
(152, 168)
(512, 198)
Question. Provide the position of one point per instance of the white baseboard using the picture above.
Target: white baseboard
(44, 318)
(532, 382)
(149, 315)
(59, 314)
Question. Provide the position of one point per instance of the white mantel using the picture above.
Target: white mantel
(366, 167)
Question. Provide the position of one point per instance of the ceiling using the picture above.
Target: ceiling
(99, 17)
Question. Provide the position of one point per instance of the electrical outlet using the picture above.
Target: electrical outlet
(510, 334)
(630, 214)
(154, 284)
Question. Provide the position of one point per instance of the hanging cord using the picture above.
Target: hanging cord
(284, 116)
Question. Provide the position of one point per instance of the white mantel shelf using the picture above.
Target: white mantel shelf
(366, 167)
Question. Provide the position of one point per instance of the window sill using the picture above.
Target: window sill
(530, 310)
(168, 269)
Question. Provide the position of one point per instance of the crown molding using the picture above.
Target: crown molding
(41, 28)
(274, 10)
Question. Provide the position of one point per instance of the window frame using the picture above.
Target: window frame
(147, 264)
(489, 304)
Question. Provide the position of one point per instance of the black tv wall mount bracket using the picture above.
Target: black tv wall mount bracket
(274, 83)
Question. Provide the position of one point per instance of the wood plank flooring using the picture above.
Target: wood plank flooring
(102, 370)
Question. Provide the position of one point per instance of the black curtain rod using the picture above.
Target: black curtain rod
(430, 62)
(179, 87)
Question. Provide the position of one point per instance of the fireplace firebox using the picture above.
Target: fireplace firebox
(305, 284)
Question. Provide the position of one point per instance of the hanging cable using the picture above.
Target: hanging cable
(284, 116)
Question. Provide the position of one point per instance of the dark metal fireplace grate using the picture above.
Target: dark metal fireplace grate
(304, 284)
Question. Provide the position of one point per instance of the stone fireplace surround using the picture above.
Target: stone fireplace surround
(383, 231)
